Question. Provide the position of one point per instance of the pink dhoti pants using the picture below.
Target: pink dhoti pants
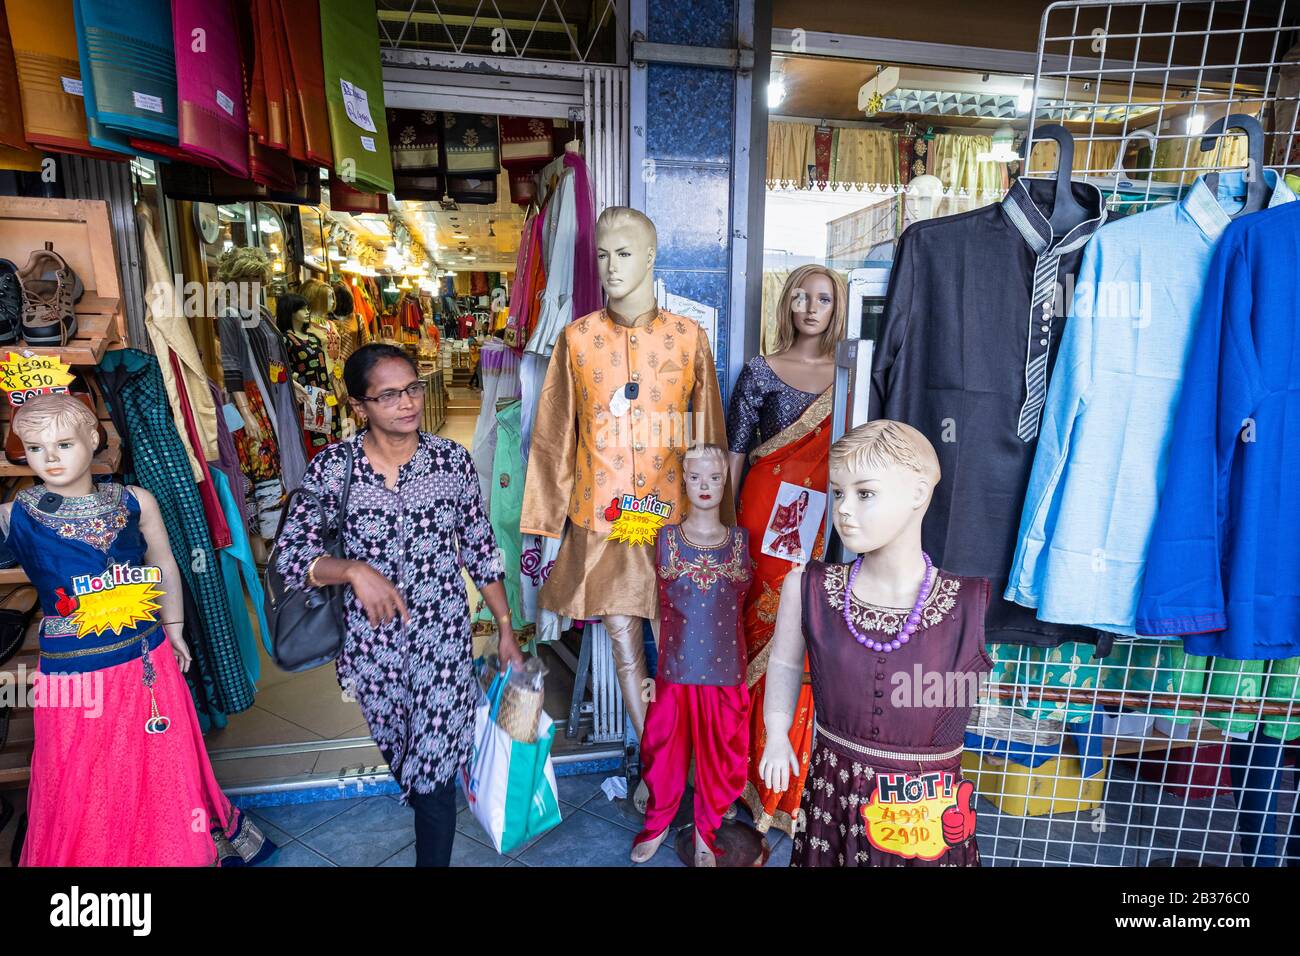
(709, 723)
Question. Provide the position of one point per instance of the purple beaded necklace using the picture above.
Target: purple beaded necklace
(913, 618)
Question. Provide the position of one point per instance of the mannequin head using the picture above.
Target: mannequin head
(376, 369)
(319, 296)
(882, 475)
(924, 193)
(291, 312)
(626, 241)
(814, 302)
(60, 435)
(705, 470)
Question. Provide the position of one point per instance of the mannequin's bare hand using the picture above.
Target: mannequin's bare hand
(179, 647)
(778, 763)
(378, 597)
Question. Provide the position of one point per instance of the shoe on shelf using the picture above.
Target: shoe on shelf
(11, 302)
(50, 289)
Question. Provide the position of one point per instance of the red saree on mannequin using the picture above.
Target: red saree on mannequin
(798, 456)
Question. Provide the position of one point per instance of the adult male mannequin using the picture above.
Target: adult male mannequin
(627, 390)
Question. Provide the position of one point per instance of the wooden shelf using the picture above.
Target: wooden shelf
(1155, 742)
(96, 334)
(13, 576)
(15, 766)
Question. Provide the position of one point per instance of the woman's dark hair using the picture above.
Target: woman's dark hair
(285, 306)
(356, 370)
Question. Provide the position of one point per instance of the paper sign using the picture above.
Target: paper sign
(72, 87)
(121, 597)
(637, 520)
(26, 376)
(368, 144)
(226, 103)
(705, 315)
(919, 816)
(356, 102)
(793, 525)
(145, 101)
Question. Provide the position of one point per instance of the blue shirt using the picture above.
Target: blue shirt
(1223, 561)
(1103, 447)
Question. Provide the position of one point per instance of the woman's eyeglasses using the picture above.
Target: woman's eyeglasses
(390, 397)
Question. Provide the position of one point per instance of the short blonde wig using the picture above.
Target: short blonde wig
(881, 443)
(35, 416)
(785, 333)
(616, 216)
(318, 295)
(244, 265)
(707, 451)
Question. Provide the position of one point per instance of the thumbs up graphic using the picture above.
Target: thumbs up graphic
(959, 820)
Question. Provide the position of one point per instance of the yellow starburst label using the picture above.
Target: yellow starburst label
(637, 520)
(120, 598)
(26, 376)
(919, 816)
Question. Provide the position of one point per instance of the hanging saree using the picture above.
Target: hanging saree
(44, 38)
(212, 119)
(129, 66)
(354, 94)
(11, 119)
(301, 20)
(797, 455)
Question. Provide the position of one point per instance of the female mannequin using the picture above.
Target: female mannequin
(700, 703)
(119, 771)
(308, 368)
(324, 327)
(780, 418)
(885, 787)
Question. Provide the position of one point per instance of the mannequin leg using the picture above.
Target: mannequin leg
(665, 754)
(625, 638)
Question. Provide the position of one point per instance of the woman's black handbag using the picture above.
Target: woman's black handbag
(308, 626)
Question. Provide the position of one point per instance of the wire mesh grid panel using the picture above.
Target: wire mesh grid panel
(1147, 755)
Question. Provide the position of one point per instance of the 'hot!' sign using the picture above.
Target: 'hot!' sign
(919, 816)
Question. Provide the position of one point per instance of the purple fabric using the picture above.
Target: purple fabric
(228, 460)
(587, 296)
(212, 118)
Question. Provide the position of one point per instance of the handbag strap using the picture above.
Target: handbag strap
(315, 499)
(347, 487)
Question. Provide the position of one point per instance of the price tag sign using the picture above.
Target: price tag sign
(24, 377)
(920, 816)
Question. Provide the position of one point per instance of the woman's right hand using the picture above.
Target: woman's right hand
(379, 598)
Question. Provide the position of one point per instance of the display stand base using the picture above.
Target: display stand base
(741, 845)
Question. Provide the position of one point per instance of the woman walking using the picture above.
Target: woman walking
(415, 517)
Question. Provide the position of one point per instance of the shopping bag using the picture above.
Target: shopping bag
(510, 786)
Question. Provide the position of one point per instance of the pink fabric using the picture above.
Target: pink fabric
(587, 296)
(212, 118)
(104, 792)
(709, 723)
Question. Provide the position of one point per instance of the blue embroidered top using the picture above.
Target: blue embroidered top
(1222, 560)
(84, 535)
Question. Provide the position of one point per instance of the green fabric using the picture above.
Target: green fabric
(508, 503)
(350, 51)
(531, 807)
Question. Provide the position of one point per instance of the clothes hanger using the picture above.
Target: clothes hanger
(1257, 191)
(1118, 179)
(1067, 212)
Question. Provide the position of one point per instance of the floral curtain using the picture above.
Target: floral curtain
(1091, 158)
(954, 158)
(790, 151)
(864, 157)
(1229, 152)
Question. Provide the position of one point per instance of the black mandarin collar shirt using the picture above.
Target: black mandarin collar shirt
(976, 306)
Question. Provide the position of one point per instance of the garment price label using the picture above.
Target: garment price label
(368, 144)
(24, 377)
(356, 103)
(226, 103)
(920, 816)
(637, 520)
(72, 87)
(121, 597)
(146, 101)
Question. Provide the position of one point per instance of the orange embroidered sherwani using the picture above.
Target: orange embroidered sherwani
(592, 445)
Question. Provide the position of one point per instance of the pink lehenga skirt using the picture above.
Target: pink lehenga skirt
(106, 793)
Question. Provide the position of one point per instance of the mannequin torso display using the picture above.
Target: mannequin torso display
(700, 702)
(885, 785)
(313, 386)
(70, 535)
(621, 387)
(779, 424)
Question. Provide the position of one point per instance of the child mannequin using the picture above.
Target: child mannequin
(885, 786)
(700, 705)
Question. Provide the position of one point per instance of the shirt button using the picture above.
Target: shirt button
(632, 339)
(879, 711)
(638, 447)
(1042, 341)
(1047, 328)
(636, 376)
(880, 676)
(875, 731)
(880, 693)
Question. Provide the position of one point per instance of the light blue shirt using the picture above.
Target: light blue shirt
(1104, 441)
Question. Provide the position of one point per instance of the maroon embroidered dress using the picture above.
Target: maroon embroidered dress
(893, 722)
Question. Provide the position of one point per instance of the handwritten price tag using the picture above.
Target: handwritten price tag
(919, 815)
(26, 376)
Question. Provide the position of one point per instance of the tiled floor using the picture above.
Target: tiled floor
(378, 831)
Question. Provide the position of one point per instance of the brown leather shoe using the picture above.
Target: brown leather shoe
(50, 290)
